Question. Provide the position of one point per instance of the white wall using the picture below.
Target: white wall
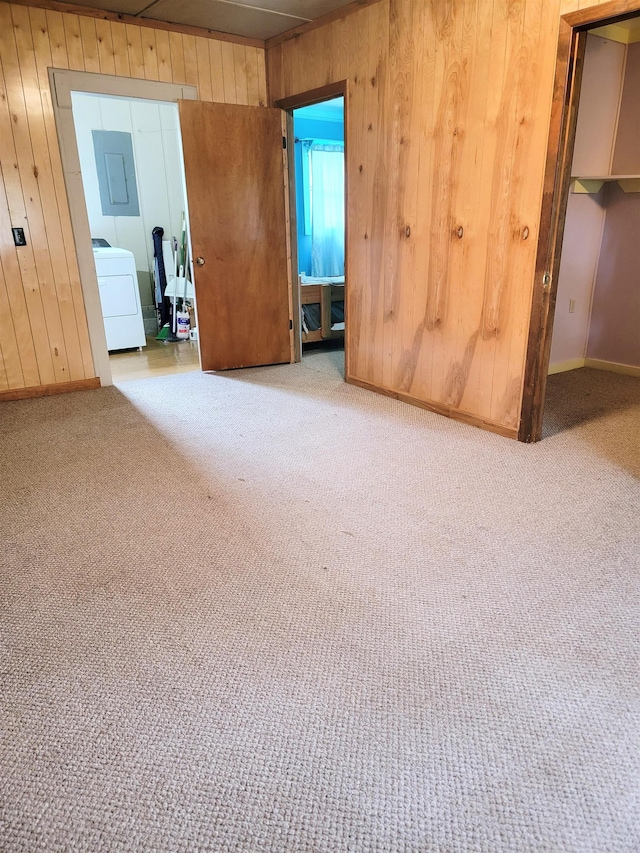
(595, 134)
(154, 129)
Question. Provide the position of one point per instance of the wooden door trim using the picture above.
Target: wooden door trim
(313, 96)
(606, 13)
(562, 130)
(292, 227)
(289, 104)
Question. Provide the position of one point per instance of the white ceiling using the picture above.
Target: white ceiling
(259, 19)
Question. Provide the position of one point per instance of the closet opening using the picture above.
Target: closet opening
(317, 175)
(585, 330)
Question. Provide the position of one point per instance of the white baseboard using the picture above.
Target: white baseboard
(563, 366)
(612, 366)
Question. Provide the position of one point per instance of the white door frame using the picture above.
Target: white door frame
(63, 82)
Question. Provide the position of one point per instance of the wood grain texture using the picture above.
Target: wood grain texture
(163, 50)
(105, 47)
(217, 81)
(135, 51)
(242, 292)
(449, 112)
(120, 49)
(228, 74)
(240, 66)
(73, 38)
(44, 337)
(158, 358)
(205, 91)
(149, 54)
(25, 209)
(32, 43)
(89, 41)
(41, 25)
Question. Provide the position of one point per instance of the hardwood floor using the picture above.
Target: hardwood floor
(158, 358)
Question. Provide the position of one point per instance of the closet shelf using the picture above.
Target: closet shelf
(594, 183)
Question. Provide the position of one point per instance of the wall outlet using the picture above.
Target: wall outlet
(572, 306)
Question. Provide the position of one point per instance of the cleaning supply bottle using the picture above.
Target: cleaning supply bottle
(182, 325)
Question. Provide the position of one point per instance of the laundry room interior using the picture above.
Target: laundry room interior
(133, 179)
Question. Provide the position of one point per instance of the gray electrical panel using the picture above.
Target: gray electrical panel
(116, 172)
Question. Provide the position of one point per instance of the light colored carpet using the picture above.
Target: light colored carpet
(267, 611)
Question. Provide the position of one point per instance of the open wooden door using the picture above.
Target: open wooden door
(235, 175)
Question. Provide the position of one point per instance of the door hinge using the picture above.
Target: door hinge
(546, 280)
(284, 142)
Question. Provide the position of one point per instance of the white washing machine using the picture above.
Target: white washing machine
(119, 296)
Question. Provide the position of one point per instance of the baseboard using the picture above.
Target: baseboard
(49, 390)
(563, 366)
(454, 414)
(612, 366)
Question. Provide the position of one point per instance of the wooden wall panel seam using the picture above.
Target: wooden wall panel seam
(163, 50)
(17, 202)
(16, 291)
(106, 54)
(73, 40)
(149, 54)
(89, 40)
(176, 51)
(11, 365)
(120, 50)
(43, 211)
(135, 51)
(49, 198)
(57, 39)
(204, 70)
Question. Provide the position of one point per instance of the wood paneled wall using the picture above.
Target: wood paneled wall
(447, 122)
(43, 331)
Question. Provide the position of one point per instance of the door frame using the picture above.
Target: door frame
(572, 39)
(63, 82)
(288, 105)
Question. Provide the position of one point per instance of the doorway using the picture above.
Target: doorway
(65, 86)
(241, 244)
(586, 310)
(318, 202)
(320, 225)
(133, 180)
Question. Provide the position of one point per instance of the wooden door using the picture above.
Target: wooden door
(234, 167)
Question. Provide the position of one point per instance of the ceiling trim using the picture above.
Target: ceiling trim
(87, 11)
(322, 21)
